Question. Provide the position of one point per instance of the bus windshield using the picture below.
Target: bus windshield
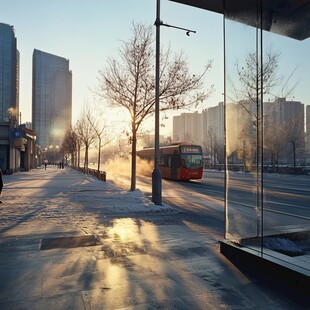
(191, 161)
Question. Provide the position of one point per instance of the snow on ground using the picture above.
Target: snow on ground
(40, 201)
(113, 199)
(282, 245)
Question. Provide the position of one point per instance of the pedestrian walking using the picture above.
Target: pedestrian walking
(1, 183)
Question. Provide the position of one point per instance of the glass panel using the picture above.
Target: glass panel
(242, 52)
(267, 132)
(286, 150)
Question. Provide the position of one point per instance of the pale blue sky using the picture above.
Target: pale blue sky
(88, 32)
(294, 57)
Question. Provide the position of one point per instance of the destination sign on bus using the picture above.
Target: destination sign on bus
(191, 149)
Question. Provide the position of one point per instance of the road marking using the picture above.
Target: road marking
(273, 211)
(286, 204)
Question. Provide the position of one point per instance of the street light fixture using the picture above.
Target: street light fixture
(156, 174)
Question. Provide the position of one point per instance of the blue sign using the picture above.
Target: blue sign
(16, 133)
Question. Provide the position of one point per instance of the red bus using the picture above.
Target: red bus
(177, 161)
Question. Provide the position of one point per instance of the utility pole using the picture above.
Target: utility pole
(156, 175)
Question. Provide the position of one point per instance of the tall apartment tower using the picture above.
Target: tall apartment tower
(51, 98)
(187, 127)
(283, 111)
(9, 93)
(308, 134)
(213, 124)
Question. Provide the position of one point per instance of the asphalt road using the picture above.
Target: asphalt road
(285, 198)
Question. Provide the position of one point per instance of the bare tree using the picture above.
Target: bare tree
(79, 145)
(257, 79)
(215, 148)
(240, 133)
(86, 133)
(69, 145)
(274, 136)
(295, 136)
(130, 83)
(211, 138)
(95, 119)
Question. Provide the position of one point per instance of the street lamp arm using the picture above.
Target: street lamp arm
(159, 22)
(188, 31)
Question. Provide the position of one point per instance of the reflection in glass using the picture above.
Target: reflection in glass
(267, 131)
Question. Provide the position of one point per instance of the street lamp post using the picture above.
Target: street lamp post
(156, 175)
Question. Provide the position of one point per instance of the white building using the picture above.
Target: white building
(213, 124)
(205, 128)
(187, 127)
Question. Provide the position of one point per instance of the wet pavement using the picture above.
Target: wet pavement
(56, 254)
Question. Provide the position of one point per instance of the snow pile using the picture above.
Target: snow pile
(97, 195)
(282, 245)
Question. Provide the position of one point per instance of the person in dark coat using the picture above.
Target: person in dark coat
(1, 183)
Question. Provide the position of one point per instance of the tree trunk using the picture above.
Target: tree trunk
(79, 157)
(72, 159)
(133, 158)
(294, 153)
(86, 160)
(99, 157)
(75, 159)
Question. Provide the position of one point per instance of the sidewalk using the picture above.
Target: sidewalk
(68, 241)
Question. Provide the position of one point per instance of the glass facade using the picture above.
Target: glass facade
(267, 99)
(8, 71)
(9, 95)
(52, 98)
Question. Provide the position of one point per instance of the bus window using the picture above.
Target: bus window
(191, 161)
(169, 161)
(163, 160)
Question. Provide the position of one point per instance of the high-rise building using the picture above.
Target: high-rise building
(187, 127)
(308, 133)
(213, 124)
(286, 135)
(9, 94)
(213, 133)
(282, 111)
(51, 98)
(288, 119)
(203, 128)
